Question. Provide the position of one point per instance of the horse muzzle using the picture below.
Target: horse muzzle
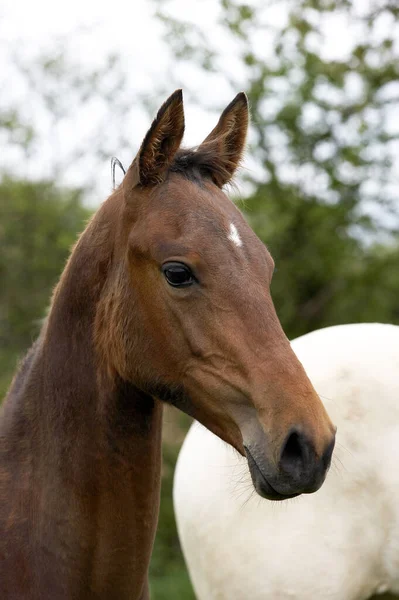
(299, 470)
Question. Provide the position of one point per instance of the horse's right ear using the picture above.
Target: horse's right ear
(159, 147)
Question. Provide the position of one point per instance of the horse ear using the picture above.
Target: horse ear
(227, 140)
(159, 145)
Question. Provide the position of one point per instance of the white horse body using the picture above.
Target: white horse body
(340, 543)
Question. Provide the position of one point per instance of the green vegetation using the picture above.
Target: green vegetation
(323, 191)
(38, 225)
(168, 576)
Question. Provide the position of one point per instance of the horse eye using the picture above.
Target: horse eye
(178, 274)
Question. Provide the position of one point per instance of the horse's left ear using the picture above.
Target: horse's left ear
(227, 140)
(159, 146)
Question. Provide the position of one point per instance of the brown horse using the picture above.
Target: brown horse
(165, 298)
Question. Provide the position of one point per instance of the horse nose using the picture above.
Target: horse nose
(299, 464)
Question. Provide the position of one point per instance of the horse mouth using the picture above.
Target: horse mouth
(261, 484)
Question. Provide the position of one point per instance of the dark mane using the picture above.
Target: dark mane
(196, 164)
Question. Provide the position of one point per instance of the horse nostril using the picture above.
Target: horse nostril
(300, 468)
(295, 453)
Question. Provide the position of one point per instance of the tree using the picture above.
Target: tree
(324, 275)
(38, 225)
(323, 121)
(65, 119)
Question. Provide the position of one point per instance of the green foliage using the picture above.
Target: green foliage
(323, 121)
(324, 274)
(38, 225)
(168, 576)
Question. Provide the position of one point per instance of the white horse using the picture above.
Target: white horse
(341, 543)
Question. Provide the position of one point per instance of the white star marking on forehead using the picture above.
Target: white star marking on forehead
(234, 235)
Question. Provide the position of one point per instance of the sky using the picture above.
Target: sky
(106, 25)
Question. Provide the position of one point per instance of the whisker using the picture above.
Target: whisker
(340, 466)
(342, 447)
(322, 397)
(250, 497)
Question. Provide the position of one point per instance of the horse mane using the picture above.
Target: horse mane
(196, 164)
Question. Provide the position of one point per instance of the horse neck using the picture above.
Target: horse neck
(77, 393)
(87, 441)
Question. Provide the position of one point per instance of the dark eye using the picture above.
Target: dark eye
(178, 274)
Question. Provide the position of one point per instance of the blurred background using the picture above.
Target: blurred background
(80, 82)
